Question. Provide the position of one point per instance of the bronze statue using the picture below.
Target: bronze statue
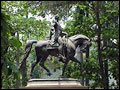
(42, 50)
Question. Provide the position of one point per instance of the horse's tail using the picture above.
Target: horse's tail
(26, 52)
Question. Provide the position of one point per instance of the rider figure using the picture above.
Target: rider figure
(57, 29)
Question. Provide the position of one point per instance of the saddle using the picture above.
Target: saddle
(51, 43)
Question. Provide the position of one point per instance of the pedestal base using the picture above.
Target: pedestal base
(54, 84)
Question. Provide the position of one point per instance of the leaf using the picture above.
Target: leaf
(7, 17)
(37, 11)
(14, 69)
(4, 67)
(2, 3)
(54, 70)
(15, 42)
(9, 71)
(82, 7)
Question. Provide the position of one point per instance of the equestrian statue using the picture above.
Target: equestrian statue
(58, 46)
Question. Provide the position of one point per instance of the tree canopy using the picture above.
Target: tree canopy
(98, 20)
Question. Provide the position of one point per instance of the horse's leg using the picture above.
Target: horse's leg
(66, 62)
(75, 60)
(42, 65)
(34, 64)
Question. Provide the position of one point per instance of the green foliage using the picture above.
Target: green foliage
(15, 42)
(9, 70)
(84, 22)
(15, 19)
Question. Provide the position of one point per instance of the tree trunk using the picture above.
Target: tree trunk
(24, 69)
(99, 48)
(106, 63)
(17, 63)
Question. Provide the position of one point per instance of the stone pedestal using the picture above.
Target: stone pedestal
(54, 84)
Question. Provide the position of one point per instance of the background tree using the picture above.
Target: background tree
(90, 28)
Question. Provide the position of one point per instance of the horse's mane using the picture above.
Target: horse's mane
(78, 36)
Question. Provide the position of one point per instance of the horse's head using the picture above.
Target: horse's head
(86, 43)
(82, 41)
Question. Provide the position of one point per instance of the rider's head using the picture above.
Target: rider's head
(52, 29)
(57, 18)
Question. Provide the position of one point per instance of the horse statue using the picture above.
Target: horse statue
(42, 50)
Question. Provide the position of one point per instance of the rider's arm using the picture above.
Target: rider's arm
(51, 33)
